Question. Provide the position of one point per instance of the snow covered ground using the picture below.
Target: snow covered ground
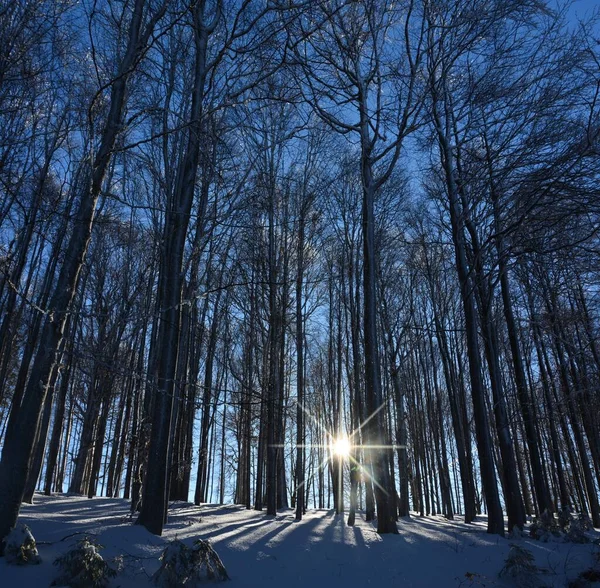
(268, 552)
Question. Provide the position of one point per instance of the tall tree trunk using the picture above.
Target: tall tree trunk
(402, 439)
(57, 427)
(386, 515)
(488, 476)
(540, 483)
(153, 514)
(300, 474)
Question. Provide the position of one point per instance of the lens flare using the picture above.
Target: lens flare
(341, 447)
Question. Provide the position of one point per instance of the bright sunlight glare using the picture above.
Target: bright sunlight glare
(341, 447)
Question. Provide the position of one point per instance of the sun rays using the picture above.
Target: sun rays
(347, 447)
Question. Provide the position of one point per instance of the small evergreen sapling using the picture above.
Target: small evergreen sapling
(567, 528)
(189, 566)
(585, 522)
(545, 528)
(564, 518)
(521, 569)
(574, 528)
(20, 548)
(576, 531)
(84, 567)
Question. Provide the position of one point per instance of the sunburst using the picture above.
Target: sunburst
(344, 447)
(341, 447)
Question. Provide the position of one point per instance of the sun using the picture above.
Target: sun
(341, 447)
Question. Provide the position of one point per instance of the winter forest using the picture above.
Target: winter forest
(302, 255)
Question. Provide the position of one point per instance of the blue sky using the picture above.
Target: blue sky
(583, 7)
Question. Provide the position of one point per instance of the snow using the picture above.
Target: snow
(275, 552)
(20, 546)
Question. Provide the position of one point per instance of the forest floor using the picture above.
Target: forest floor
(272, 552)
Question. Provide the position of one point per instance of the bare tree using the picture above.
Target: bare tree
(358, 87)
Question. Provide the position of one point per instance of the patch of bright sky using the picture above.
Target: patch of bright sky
(580, 9)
